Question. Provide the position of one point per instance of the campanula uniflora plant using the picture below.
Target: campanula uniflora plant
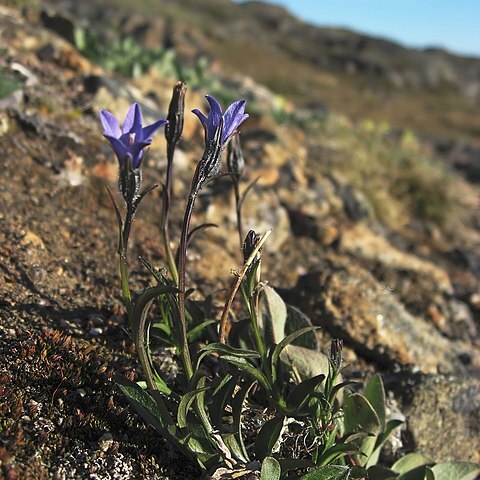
(265, 357)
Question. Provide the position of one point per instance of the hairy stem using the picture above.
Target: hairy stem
(123, 260)
(127, 297)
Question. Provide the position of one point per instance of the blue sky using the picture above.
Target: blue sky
(452, 24)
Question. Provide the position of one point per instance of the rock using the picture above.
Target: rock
(95, 332)
(31, 238)
(361, 242)
(105, 442)
(60, 24)
(356, 204)
(351, 305)
(443, 414)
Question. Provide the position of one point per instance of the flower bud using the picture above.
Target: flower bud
(235, 160)
(335, 355)
(251, 241)
(174, 127)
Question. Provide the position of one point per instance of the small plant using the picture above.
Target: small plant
(268, 360)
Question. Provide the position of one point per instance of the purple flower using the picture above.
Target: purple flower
(131, 140)
(232, 118)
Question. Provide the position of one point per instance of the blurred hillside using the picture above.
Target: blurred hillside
(432, 92)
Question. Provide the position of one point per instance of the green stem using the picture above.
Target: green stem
(170, 257)
(166, 220)
(127, 297)
(238, 209)
(182, 260)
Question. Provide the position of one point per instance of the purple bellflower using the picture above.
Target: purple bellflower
(232, 118)
(131, 140)
(219, 128)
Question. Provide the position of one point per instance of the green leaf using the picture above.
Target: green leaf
(276, 314)
(337, 451)
(220, 397)
(144, 404)
(286, 341)
(411, 461)
(429, 475)
(157, 274)
(331, 472)
(381, 473)
(300, 395)
(456, 470)
(308, 363)
(268, 436)
(339, 386)
(224, 349)
(360, 416)
(185, 403)
(381, 439)
(288, 464)
(142, 302)
(237, 408)
(194, 333)
(418, 473)
(236, 448)
(270, 469)
(296, 320)
(359, 473)
(375, 394)
(248, 368)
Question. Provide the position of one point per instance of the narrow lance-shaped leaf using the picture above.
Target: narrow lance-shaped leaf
(268, 436)
(253, 371)
(220, 397)
(224, 349)
(300, 395)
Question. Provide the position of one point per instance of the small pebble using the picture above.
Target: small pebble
(81, 392)
(105, 442)
(95, 332)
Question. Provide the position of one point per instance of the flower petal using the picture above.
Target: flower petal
(233, 117)
(137, 151)
(149, 130)
(119, 148)
(133, 120)
(203, 119)
(201, 116)
(214, 116)
(110, 124)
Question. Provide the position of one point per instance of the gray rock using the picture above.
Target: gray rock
(443, 414)
(352, 305)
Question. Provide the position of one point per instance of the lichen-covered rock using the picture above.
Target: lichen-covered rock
(440, 408)
(351, 304)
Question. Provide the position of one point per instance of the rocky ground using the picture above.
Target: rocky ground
(406, 301)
